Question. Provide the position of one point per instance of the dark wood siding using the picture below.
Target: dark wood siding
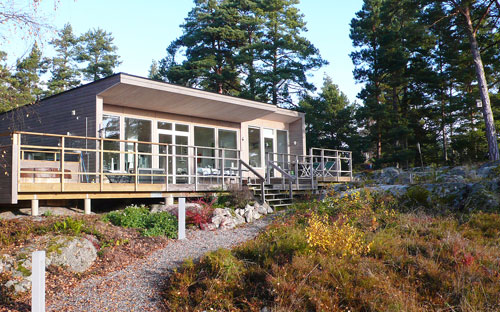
(297, 134)
(54, 114)
(8, 185)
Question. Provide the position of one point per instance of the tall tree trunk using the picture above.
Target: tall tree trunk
(443, 126)
(491, 135)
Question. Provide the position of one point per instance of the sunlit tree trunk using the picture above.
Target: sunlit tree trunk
(491, 135)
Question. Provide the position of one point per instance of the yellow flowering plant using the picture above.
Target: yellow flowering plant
(338, 238)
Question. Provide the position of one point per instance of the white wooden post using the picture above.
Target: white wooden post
(87, 205)
(182, 219)
(169, 200)
(38, 282)
(34, 207)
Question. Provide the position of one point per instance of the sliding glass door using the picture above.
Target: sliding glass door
(138, 130)
(174, 159)
(228, 140)
(254, 146)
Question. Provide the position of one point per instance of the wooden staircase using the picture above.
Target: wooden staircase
(277, 199)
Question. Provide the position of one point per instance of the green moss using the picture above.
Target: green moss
(23, 270)
(418, 196)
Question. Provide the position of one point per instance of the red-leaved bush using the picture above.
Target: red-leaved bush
(202, 216)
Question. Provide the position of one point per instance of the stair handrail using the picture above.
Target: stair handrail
(261, 178)
(271, 165)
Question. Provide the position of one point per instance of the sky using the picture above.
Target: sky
(143, 29)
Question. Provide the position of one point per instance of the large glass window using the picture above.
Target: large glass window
(227, 139)
(254, 149)
(205, 137)
(111, 130)
(282, 148)
(138, 130)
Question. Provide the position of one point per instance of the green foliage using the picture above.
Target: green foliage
(63, 67)
(249, 48)
(415, 60)
(26, 80)
(97, 51)
(151, 224)
(418, 196)
(330, 120)
(47, 213)
(69, 226)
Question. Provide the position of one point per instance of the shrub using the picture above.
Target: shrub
(417, 196)
(239, 197)
(69, 226)
(338, 238)
(202, 216)
(150, 224)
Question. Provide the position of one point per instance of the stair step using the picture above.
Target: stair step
(277, 200)
(280, 205)
(279, 196)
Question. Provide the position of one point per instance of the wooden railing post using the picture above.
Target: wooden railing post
(101, 164)
(268, 169)
(338, 164)
(195, 169)
(240, 171)
(62, 163)
(350, 165)
(323, 163)
(296, 169)
(223, 160)
(167, 147)
(136, 165)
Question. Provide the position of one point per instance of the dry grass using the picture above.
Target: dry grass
(416, 262)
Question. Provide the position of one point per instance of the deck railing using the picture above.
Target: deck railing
(66, 163)
(64, 159)
(320, 165)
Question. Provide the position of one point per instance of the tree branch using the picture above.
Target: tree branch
(483, 17)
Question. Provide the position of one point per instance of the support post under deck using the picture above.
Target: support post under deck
(87, 205)
(34, 207)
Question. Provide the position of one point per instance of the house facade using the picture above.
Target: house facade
(128, 136)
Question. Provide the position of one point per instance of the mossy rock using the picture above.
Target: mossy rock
(480, 198)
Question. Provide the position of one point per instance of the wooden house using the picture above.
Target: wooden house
(130, 137)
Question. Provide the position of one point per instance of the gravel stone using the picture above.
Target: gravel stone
(136, 287)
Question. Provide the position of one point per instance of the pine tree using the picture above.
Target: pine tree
(474, 16)
(154, 71)
(7, 93)
(209, 41)
(249, 48)
(330, 119)
(63, 68)
(97, 50)
(286, 55)
(26, 80)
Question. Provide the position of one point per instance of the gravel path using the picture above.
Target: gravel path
(135, 288)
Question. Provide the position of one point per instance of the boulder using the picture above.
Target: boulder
(489, 170)
(173, 209)
(260, 209)
(481, 198)
(238, 219)
(269, 208)
(248, 215)
(223, 218)
(239, 212)
(256, 215)
(77, 254)
(449, 178)
(458, 171)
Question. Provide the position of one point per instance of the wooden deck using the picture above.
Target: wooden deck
(41, 166)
